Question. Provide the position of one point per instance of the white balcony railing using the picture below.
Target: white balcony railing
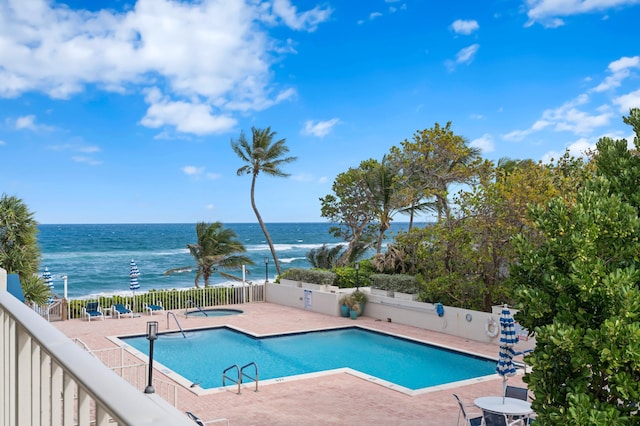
(46, 379)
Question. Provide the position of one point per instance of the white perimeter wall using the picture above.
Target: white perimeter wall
(324, 300)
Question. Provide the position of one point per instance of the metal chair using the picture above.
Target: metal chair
(476, 420)
(500, 419)
(516, 392)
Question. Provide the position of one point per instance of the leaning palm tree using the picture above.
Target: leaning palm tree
(261, 155)
(215, 250)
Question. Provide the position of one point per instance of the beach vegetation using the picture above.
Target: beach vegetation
(262, 155)
(324, 257)
(349, 208)
(35, 290)
(216, 251)
(19, 250)
(381, 180)
(402, 283)
(577, 287)
(312, 276)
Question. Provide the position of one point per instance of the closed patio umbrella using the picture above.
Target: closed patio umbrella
(134, 273)
(508, 339)
(48, 280)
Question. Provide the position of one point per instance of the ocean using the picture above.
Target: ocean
(96, 258)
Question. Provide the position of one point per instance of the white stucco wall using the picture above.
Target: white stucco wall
(460, 322)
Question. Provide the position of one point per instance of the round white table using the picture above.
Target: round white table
(504, 405)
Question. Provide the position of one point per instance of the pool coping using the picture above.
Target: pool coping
(197, 390)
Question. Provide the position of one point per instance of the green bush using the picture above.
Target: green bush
(313, 276)
(397, 282)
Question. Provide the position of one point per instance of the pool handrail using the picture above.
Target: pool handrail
(224, 376)
(175, 318)
(195, 305)
(243, 374)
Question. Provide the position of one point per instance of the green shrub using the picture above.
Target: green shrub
(397, 282)
(312, 276)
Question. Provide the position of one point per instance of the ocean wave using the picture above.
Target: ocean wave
(286, 247)
(291, 259)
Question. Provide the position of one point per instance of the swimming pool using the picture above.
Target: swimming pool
(204, 354)
(213, 312)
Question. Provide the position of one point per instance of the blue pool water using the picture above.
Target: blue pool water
(204, 354)
(214, 312)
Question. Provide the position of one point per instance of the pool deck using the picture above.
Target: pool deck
(332, 399)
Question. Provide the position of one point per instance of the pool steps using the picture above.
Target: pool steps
(241, 374)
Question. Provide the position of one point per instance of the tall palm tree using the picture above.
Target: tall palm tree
(262, 155)
(215, 250)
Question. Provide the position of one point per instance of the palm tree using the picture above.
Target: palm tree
(324, 257)
(216, 249)
(261, 155)
(19, 251)
(380, 178)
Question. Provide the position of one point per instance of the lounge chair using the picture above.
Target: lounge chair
(470, 419)
(119, 309)
(153, 308)
(199, 422)
(92, 310)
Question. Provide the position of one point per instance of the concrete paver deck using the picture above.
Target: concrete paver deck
(333, 399)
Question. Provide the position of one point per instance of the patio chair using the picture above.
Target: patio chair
(92, 310)
(470, 419)
(151, 308)
(517, 392)
(119, 309)
(199, 422)
(500, 419)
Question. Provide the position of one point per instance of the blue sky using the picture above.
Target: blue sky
(124, 112)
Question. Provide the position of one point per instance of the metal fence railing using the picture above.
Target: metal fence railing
(175, 299)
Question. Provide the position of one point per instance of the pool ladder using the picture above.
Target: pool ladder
(195, 305)
(240, 375)
(175, 318)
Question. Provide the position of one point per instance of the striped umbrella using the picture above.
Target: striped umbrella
(134, 273)
(47, 278)
(508, 339)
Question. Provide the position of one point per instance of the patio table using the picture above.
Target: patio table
(504, 405)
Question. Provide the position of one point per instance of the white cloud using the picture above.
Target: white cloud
(464, 56)
(308, 20)
(87, 160)
(485, 143)
(192, 170)
(549, 12)
(28, 122)
(567, 117)
(210, 53)
(2, 142)
(577, 149)
(197, 172)
(187, 117)
(628, 101)
(620, 70)
(374, 15)
(76, 147)
(465, 27)
(319, 128)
